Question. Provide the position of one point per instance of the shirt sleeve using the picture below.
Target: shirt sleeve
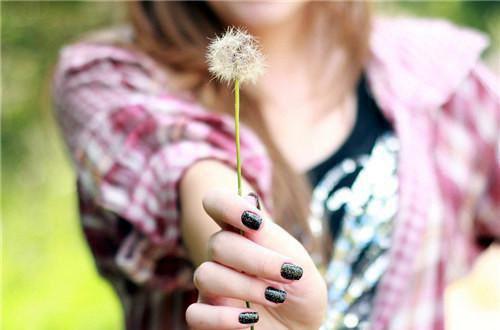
(475, 131)
(131, 140)
(487, 93)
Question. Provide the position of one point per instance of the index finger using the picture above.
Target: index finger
(231, 210)
(226, 208)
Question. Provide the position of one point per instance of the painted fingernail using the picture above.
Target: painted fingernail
(275, 295)
(248, 317)
(291, 272)
(251, 219)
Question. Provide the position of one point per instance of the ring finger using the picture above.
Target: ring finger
(227, 248)
(213, 279)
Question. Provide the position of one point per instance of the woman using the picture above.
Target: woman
(381, 134)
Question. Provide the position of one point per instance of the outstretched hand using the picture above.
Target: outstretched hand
(265, 265)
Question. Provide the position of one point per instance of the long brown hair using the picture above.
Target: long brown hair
(176, 34)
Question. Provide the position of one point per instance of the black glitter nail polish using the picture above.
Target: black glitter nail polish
(291, 271)
(251, 220)
(248, 317)
(275, 295)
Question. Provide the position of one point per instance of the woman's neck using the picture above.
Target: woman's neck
(299, 109)
(282, 42)
(284, 47)
(297, 70)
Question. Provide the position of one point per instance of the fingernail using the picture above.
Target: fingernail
(291, 272)
(255, 199)
(248, 317)
(275, 295)
(251, 219)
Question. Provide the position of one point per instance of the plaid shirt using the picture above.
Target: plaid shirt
(131, 139)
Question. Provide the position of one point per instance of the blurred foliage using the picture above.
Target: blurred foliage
(49, 280)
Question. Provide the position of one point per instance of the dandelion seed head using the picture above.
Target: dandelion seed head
(235, 55)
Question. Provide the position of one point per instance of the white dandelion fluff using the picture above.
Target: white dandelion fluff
(235, 55)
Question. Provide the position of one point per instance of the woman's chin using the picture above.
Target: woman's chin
(257, 14)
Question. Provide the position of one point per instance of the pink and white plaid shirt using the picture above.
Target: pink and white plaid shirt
(131, 140)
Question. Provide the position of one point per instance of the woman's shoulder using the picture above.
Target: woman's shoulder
(421, 62)
(112, 43)
(425, 36)
(108, 56)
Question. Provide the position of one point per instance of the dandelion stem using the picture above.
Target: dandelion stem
(237, 140)
(237, 131)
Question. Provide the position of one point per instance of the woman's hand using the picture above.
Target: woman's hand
(267, 267)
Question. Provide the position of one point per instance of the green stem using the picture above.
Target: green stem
(237, 131)
(237, 140)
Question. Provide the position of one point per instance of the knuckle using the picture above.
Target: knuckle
(210, 203)
(206, 201)
(224, 213)
(190, 315)
(254, 290)
(219, 243)
(213, 197)
(201, 276)
(265, 266)
(224, 320)
(215, 245)
(218, 205)
(262, 266)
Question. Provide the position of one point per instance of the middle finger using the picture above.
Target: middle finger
(237, 252)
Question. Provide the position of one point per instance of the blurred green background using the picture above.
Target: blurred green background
(48, 276)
